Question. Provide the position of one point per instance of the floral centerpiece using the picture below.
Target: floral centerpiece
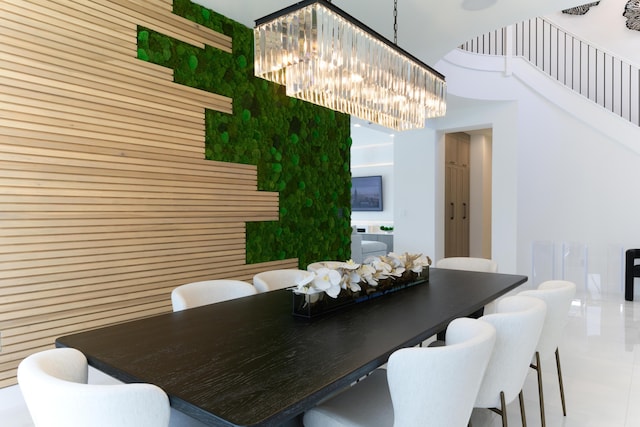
(336, 284)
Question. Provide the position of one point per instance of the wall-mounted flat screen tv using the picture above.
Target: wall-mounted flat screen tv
(366, 193)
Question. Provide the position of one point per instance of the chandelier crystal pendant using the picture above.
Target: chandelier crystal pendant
(327, 57)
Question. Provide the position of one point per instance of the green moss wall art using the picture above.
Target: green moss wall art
(301, 150)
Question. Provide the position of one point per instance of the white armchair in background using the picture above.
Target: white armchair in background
(362, 249)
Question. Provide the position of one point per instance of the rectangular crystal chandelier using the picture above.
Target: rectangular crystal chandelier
(327, 57)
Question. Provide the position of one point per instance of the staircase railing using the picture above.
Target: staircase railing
(594, 73)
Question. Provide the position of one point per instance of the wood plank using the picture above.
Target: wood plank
(166, 92)
(49, 240)
(126, 63)
(49, 183)
(133, 167)
(221, 217)
(37, 84)
(70, 62)
(14, 17)
(106, 200)
(168, 24)
(210, 37)
(83, 314)
(122, 176)
(69, 18)
(122, 111)
(68, 275)
(160, 4)
(67, 118)
(232, 267)
(41, 327)
(62, 142)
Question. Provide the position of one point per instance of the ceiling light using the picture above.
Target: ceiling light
(327, 57)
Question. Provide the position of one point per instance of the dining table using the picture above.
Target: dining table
(251, 362)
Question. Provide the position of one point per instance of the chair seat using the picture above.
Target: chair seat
(372, 392)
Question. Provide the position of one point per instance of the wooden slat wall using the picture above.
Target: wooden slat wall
(106, 201)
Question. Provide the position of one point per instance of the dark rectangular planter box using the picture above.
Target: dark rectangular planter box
(309, 306)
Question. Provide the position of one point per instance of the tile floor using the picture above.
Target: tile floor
(600, 361)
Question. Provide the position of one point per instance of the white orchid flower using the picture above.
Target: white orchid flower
(381, 266)
(397, 272)
(366, 273)
(420, 263)
(395, 260)
(303, 283)
(351, 280)
(350, 265)
(383, 270)
(327, 280)
(333, 276)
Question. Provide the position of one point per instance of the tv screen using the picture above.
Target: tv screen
(366, 193)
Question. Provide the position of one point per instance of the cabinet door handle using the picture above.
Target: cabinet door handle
(464, 211)
(452, 210)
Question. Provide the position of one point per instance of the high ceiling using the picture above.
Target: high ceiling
(428, 29)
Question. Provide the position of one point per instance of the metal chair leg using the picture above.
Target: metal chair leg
(522, 416)
(503, 409)
(538, 369)
(564, 406)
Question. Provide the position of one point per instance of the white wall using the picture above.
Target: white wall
(415, 230)
(563, 169)
(604, 27)
(480, 192)
(562, 173)
(372, 154)
(501, 116)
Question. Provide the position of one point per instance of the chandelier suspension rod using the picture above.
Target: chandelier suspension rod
(395, 22)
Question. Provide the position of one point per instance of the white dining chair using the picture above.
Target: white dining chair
(278, 279)
(421, 386)
(54, 385)
(468, 264)
(315, 266)
(557, 294)
(482, 265)
(518, 322)
(206, 292)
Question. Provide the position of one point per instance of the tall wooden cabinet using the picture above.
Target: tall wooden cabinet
(457, 194)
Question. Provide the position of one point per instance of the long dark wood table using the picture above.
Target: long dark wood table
(249, 362)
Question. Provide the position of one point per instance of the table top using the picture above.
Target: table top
(250, 362)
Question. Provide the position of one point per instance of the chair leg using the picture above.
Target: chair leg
(538, 369)
(503, 409)
(522, 416)
(564, 406)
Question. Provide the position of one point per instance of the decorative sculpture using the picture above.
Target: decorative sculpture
(580, 10)
(632, 13)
